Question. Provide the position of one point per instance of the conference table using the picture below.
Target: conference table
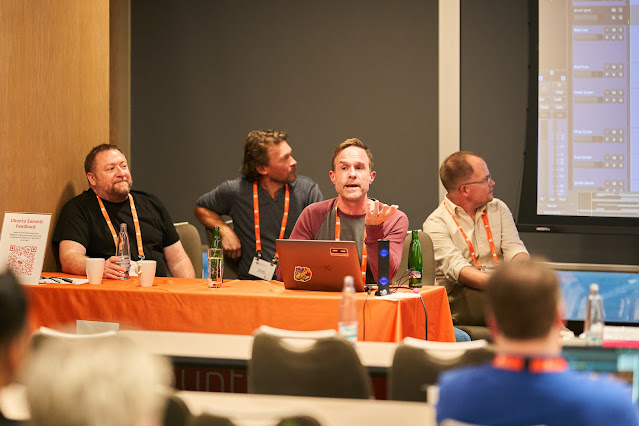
(238, 307)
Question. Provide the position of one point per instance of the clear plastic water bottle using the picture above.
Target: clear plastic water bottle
(348, 311)
(594, 321)
(123, 251)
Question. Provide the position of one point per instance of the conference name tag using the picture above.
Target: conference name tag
(263, 269)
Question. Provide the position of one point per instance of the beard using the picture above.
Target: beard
(120, 190)
(292, 177)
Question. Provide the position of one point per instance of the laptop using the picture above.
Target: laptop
(318, 264)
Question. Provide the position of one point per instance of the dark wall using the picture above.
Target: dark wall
(205, 73)
(494, 58)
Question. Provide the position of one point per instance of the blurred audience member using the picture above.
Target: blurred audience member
(100, 382)
(14, 334)
(528, 381)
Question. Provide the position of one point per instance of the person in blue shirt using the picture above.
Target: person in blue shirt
(529, 382)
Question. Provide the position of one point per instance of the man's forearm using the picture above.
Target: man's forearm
(182, 269)
(178, 261)
(74, 263)
(230, 242)
(209, 218)
(473, 277)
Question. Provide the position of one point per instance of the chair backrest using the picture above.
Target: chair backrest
(176, 412)
(43, 334)
(428, 258)
(190, 238)
(476, 332)
(294, 334)
(445, 348)
(323, 367)
(418, 365)
(210, 419)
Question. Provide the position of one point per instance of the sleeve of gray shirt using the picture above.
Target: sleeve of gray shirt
(220, 199)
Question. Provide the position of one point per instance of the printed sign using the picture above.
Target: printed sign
(22, 245)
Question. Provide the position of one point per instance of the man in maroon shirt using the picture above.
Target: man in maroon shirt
(352, 216)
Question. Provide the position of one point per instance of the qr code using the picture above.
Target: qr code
(21, 259)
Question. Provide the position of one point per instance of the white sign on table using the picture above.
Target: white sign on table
(23, 243)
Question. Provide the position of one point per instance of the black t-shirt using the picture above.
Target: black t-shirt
(81, 220)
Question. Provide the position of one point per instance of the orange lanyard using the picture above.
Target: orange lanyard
(256, 213)
(338, 233)
(534, 365)
(136, 223)
(489, 234)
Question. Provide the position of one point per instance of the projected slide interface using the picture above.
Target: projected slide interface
(588, 122)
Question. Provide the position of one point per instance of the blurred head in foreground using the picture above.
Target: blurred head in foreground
(523, 303)
(14, 334)
(100, 382)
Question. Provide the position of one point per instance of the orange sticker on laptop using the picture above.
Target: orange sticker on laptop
(302, 273)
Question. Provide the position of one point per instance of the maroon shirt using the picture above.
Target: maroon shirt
(317, 222)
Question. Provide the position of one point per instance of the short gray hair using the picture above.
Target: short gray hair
(100, 381)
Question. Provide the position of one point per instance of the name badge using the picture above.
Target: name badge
(262, 268)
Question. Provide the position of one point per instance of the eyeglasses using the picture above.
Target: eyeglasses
(485, 181)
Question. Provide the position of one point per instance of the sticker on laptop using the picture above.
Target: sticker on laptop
(302, 273)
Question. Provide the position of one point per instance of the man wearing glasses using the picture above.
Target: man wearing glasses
(472, 233)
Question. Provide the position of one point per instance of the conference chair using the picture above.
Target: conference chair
(299, 363)
(417, 365)
(176, 413)
(44, 334)
(210, 419)
(190, 238)
(476, 332)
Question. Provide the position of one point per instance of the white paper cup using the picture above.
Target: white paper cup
(146, 272)
(95, 270)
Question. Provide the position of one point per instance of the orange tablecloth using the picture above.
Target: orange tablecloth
(239, 307)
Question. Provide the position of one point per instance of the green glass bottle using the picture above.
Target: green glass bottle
(216, 260)
(216, 241)
(415, 261)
